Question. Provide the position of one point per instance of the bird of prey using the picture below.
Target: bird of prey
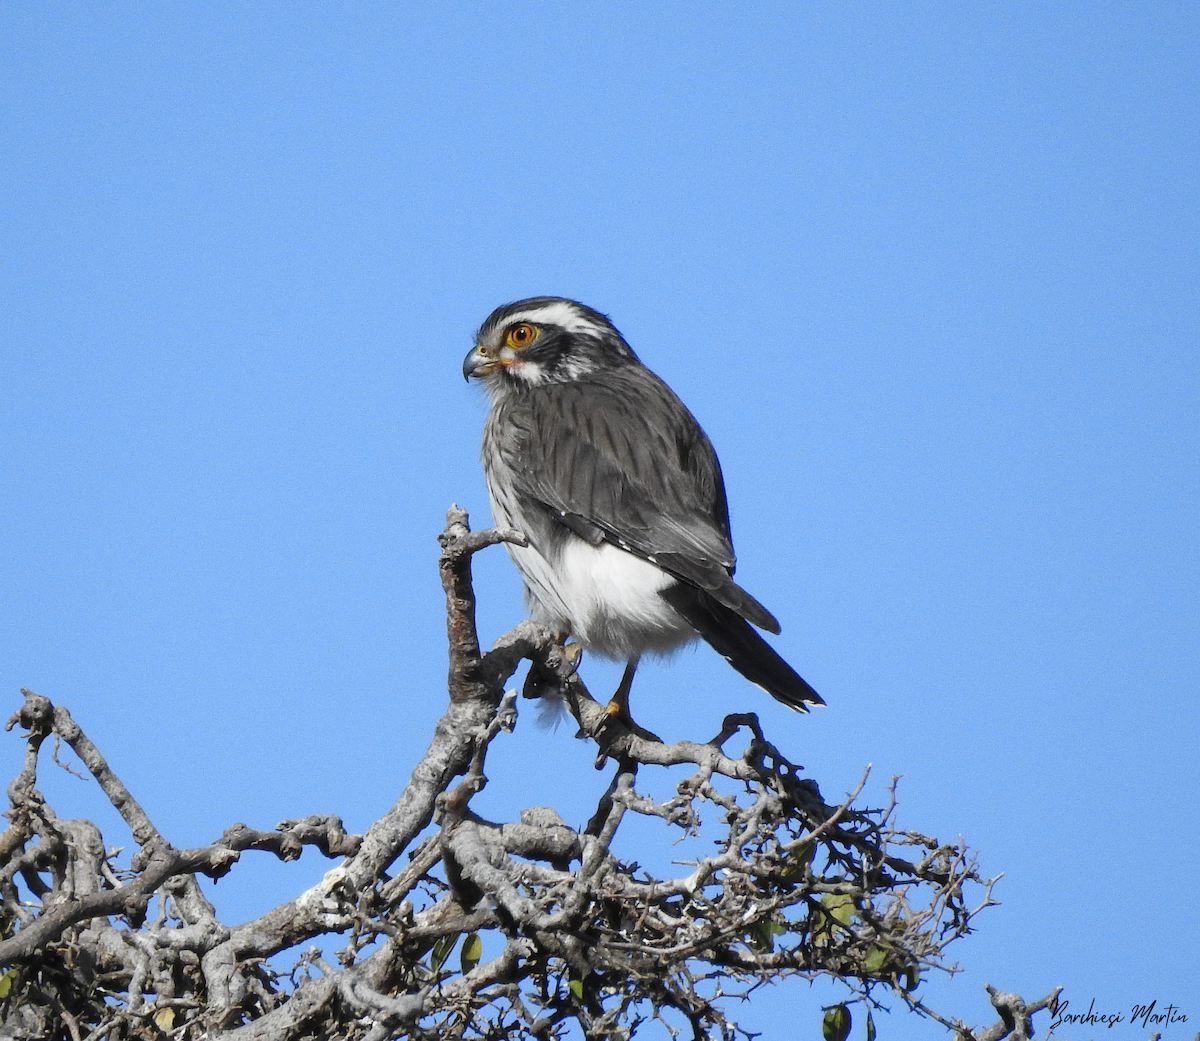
(620, 495)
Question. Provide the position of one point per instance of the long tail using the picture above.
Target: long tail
(738, 643)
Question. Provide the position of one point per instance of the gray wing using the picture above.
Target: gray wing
(617, 457)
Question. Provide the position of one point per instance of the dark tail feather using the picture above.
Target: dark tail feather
(739, 644)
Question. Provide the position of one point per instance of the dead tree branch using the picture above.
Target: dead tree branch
(485, 929)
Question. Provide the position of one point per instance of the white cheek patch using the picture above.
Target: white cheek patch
(573, 368)
(521, 368)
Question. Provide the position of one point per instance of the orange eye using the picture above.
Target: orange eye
(520, 335)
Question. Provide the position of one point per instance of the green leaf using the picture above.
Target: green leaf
(164, 1019)
(6, 982)
(835, 1025)
(799, 859)
(912, 977)
(875, 960)
(761, 937)
(472, 951)
(576, 989)
(837, 906)
(870, 1026)
(841, 907)
(441, 951)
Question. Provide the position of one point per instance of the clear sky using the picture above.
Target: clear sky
(926, 273)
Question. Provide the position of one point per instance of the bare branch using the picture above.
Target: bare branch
(489, 930)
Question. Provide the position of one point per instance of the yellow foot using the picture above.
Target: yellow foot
(618, 709)
(616, 717)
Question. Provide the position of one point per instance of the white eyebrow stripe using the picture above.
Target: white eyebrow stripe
(559, 313)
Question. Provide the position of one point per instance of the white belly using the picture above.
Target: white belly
(606, 598)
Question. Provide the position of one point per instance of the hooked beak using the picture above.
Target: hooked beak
(477, 364)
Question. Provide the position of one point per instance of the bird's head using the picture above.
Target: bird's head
(545, 339)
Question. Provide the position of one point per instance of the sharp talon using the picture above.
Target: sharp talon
(573, 654)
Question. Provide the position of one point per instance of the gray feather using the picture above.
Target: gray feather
(616, 456)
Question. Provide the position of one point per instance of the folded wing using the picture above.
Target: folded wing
(637, 471)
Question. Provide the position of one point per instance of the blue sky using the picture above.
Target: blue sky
(926, 273)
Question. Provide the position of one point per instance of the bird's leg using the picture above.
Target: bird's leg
(618, 705)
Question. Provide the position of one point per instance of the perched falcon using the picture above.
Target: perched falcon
(620, 494)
